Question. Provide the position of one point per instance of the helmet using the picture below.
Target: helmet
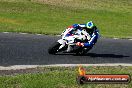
(90, 25)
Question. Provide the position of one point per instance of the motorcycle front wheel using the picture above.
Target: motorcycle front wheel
(53, 49)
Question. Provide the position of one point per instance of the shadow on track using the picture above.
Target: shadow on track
(105, 55)
(97, 55)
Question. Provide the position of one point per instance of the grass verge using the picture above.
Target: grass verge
(61, 77)
(113, 17)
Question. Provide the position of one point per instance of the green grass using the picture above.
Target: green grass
(112, 17)
(62, 77)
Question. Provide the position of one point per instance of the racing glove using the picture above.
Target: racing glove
(79, 44)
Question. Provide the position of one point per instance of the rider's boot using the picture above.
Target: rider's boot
(69, 48)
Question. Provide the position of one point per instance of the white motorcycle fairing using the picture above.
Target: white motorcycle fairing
(68, 42)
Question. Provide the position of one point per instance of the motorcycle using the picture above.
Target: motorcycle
(69, 39)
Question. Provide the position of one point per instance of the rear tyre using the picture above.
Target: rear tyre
(83, 51)
(53, 49)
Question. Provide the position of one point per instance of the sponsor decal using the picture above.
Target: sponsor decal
(101, 78)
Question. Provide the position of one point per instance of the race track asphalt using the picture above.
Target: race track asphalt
(29, 49)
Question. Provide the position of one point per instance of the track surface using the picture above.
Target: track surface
(29, 49)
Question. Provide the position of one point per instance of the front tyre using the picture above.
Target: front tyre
(54, 48)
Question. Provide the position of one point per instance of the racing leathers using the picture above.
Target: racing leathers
(90, 38)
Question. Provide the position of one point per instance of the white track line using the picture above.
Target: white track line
(107, 64)
(115, 38)
(17, 67)
(129, 39)
(5, 32)
(58, 35)
(23, 33)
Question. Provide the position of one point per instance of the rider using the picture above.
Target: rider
(85, 33)
(90, 28)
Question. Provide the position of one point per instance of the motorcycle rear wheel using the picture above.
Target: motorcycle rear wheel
(83, 51)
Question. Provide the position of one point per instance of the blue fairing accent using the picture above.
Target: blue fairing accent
(67, 35)
(87, 44)
(75, 25)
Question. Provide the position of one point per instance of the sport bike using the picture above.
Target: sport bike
(62, 44)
